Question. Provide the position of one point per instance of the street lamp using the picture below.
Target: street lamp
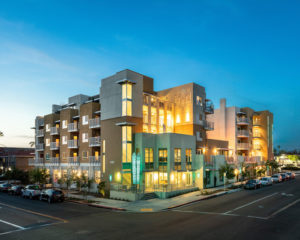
(236, 172)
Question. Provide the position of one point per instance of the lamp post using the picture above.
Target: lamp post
(236, 172)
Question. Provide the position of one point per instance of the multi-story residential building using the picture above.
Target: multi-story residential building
(18, 158)
(249, 133)
(133, 137)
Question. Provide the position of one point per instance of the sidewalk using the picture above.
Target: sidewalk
(152, 205)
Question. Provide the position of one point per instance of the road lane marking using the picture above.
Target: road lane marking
(18, 230)
(200, 212)
(36, 213)
(284, 208)
(11, 224)
(264, 218)
(245, 205)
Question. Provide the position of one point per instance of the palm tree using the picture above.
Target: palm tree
(1, 134)
(32, 144)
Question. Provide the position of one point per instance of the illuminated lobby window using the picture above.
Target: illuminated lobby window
(126, 143)
(127, 99)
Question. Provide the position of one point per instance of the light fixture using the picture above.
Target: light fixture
(155, 176)
(172, 177)
(183, 176)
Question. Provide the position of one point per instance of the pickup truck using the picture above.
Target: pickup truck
(31, 191)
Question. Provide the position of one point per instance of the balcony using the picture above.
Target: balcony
(243, 146)
(73, 127)
(256, 135)
(74, 161)
(95, 123)
(229, 160)
(39, 147)
(73, 143)
(257, 122)
(95, 142)
(54, 145)
(54, 161)
(242, 121)
(243, 133)
(36, 162)
(208, 126)
(54, 131)
(209, 107)
(40, 133)
(257, 147)
(94, 160)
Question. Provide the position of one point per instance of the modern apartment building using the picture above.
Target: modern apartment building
(249, 133)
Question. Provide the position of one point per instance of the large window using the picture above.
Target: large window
(153, 116)
(163, 159)
(188, 158)
(149, 158)
(127, 99)
(161, 120)
(177, 158)
(126, 143)
(145, 114)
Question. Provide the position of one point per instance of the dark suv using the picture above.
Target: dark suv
(52, 195)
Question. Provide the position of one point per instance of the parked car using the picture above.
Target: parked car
(31, 191)
(284, 176)
(5, 186)
(276, 178)
(15, 190)
(252, 184)
(266, 181)
(291, 175)
(52, 195)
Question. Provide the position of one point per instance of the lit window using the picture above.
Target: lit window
(169, 121)
(127, 99)
(198, 100)
(64, 140)
(153, 129)
(47, 142)
(178, 118)
(126, 133)
(85, 120)
(145, 128)
(145, 114)
(148, 155)
(153, 116)
(126, 143)
(188, 155)
(85, 137)
(64, 124)
(47, 127)
(187, 117)
(177, 155)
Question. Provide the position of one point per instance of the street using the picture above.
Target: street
(267, 213)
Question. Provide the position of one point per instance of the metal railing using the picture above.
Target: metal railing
(229, 160)
(54, 161)
(95, 123)
(54, 145)
(39, 147)
(73, 143)
(73, 127)
(94, 160)
(35, 161)
(54, 131)
(243, 133)
(243, 146)
(209, 126)
(209, 107)
(40, 133)
(95, 142)
(242, 120)
(74, 161)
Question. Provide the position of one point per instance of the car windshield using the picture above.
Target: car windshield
(57, 192)
(251, 181)
(264, 179)
(274, 176)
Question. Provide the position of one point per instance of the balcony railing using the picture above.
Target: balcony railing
(243, 146)
(39, 147)
(243, 133)
(74, 161)
(54, 161)
(208, 126)
(54, 145)
(95, 142)
(95, 123)
(209, 107)
(40, 133)
(73, 143)
(35, 161)
(242, 121)
(73, 127)
(94, 160)
(54, 131)
(230, 160)
(256, 122)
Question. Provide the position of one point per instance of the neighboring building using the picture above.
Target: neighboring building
(15, 158)
(288, 160)
(249, 133)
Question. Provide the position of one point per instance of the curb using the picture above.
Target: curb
(205, 198)
(106, 207)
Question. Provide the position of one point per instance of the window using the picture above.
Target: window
(103, 155)
(126, 143)
(198, 136)
(188, 158)
(162, 159)
(127, 99)
(198, 100)
(64, 140)
(153, 116)
(145, 114)
(85, 120)
(178, 118)
(84, 155)
(64, 156)
(177, 158)
(145, 128)
(187, 117)
(149, 158)
(47, 156)
(47, 142)
(64, 124)
(161, 120)
(85, 137)
(47, 127)
(169, 121)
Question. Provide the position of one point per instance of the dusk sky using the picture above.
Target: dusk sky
(245, 51)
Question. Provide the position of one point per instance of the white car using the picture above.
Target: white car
(276, 178)
(266, 181)
(31, 191)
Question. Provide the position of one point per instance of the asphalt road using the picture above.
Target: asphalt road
(267, 213)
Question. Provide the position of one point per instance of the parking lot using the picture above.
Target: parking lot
(246, 214)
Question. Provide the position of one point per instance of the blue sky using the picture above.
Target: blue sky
(246, 51)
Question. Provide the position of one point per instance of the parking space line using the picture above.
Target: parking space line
(210, 213)
(245, 205)
(284, 208)
(36, 213)
(11, 224)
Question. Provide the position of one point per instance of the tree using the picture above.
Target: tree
(101, 188)
(260, 171)
(39, 176)
(32, 144)
(1, 134)
(228, 170)
(273, 165)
